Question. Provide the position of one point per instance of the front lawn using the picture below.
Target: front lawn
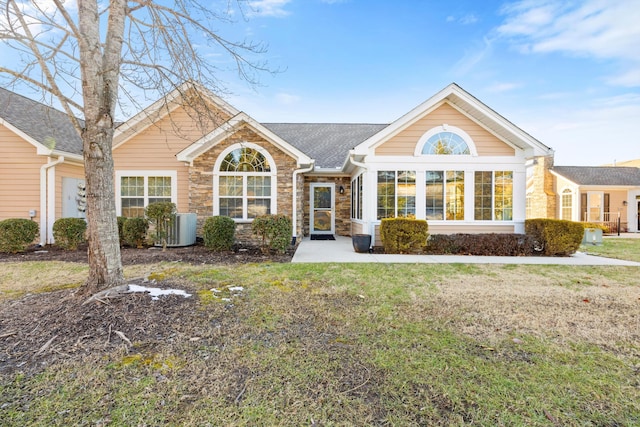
(613, 247)
(337, 344)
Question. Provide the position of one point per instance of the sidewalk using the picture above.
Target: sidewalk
(341, 251)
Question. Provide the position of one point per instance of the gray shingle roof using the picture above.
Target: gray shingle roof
(327, 143)
(599, 175)
(48, 126)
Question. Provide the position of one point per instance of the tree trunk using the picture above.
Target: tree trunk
(105, 266)
(100, 67)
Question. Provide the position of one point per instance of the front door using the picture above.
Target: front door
(322, 208)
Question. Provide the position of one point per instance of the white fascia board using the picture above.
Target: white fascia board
(232, 125)
(161, 108)
(301, 158)
(40, 149)
(457, 97)
(68, 157)
(467, 163)
(209, 140)
(556, 174)
(469, 100)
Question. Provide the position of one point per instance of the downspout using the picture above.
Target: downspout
(366, 169)
(44, 212)
(294, 216)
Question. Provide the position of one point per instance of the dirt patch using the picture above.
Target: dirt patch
(40, 329)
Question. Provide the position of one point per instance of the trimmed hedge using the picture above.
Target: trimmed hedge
(403, 235)
(16, 234)
(68, 233)
(555, 237)
(134, 231)
(274, 230)
(219, 233)
(490, 244)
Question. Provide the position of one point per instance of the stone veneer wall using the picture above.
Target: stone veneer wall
(543, 198)
(201, 191)
(342, 207)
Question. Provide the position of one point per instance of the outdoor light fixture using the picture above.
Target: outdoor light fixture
(624, 203)
(341, 190)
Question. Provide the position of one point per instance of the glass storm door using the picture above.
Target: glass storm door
(322, 210)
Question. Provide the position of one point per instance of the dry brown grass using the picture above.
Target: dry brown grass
(598, 310)
(20, 278)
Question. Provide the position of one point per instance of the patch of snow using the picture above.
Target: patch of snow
(235, 288)
(214, 290)
(157, 292)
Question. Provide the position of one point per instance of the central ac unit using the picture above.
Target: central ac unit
(183, 230)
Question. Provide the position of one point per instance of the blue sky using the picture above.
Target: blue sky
(567, 72)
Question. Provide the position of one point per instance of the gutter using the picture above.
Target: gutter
(294, 216)
(44, 199)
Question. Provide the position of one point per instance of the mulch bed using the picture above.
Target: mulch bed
(38, 330)
(196, 254)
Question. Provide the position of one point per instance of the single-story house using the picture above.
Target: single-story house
(451, 160)
(605, 195)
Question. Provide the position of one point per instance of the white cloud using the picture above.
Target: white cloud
(592, 28)
(287, 98)
(629, 79)
(270, 8)
(468, 19)
(591, 133)
(503, 87)
(472, 57)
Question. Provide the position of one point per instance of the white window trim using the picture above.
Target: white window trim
(173, 174)
(446, 128)
(217, 174)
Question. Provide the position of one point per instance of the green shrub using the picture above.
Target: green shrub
(134, 231)
(16, 234)
(68, 233)
(605, 228)
(162, 214)
(121, 221)
(403, 235)
(274, 230)
(489, 244)
(219, 233)
(555, 237)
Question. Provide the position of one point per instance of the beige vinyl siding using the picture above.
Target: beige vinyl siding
(65, 170)
(19, 176)
(404, 143)
(357, 228)
(156, 147)
(616, 206)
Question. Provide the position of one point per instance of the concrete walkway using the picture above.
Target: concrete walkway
(341, 250)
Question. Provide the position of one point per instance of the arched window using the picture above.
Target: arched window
(445, 143)
(245, 182)
(445, 140)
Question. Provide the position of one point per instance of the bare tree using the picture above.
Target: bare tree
(90, 56)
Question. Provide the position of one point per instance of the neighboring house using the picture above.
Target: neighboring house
(596, 194)
(41, 166)
(452, 160)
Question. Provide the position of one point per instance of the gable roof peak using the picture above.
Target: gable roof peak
(470, 106)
